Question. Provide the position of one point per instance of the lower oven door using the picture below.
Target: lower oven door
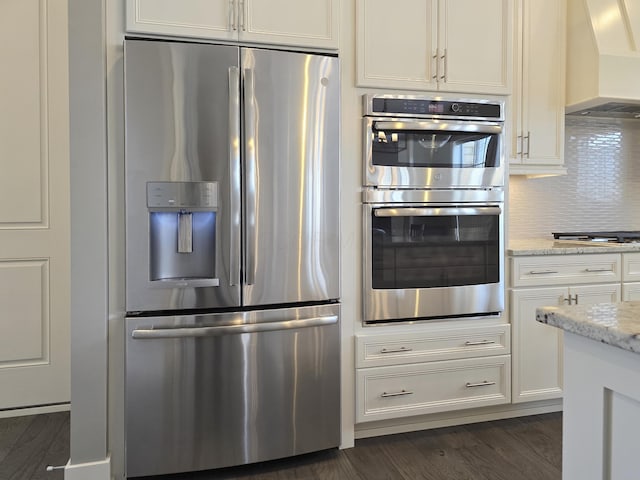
(426, 262)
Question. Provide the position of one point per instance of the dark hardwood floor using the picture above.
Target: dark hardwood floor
(528, 448)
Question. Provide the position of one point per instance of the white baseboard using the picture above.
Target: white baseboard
(88, 471)
(21, 412)
(449, 419)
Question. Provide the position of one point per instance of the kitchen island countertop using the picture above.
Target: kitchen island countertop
(616, 324)
(549, 246)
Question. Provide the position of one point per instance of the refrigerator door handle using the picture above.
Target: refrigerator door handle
(234, 172)
(250, 178)
(160, 333)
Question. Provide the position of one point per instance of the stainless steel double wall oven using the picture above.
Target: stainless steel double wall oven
(433, 208)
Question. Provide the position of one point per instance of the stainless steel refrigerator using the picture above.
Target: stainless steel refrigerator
(232, 255)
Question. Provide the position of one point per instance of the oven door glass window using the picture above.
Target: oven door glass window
(425, 251)
(434, 148)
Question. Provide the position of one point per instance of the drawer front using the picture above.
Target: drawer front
(448, 344)
(565, 269)
(631, 267)
(406, 390)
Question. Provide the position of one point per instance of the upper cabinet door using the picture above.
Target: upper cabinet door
(276, 22)
(537, 144)
(397, 43)
(439, 45)
(475, 44)
(216, 19)
(290, 22)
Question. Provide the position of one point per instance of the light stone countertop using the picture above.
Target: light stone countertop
(616, 324)
(549, 246)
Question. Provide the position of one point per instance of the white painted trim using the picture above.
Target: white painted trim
(457, 418)
(21, 412)
(88, 471)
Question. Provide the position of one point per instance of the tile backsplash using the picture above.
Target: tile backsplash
(600, 192)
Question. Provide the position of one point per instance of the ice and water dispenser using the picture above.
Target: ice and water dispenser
(182, 233)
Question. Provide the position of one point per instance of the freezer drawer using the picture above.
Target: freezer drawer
(217, 390)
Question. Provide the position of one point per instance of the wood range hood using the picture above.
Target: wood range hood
(603, 58)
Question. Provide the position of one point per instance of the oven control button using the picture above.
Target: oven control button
(455, 107)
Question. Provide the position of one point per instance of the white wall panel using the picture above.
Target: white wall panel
(24, 323)
(23, 103)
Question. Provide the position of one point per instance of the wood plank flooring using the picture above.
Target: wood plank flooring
(527, 448)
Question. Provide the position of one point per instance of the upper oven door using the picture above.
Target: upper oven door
(432, 153)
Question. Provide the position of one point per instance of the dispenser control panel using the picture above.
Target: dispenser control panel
(193, 196)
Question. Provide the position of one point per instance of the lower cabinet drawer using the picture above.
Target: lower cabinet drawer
(378, 350)
(423, 388)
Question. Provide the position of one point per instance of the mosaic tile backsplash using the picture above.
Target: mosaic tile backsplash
(600, 192)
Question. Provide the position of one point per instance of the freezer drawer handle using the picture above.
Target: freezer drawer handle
(233, 329)
(396, 394)
(485, 383)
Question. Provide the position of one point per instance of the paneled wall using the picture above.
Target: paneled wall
(600, 192)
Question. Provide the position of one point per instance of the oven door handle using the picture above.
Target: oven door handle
(435, 211)
(440, 126)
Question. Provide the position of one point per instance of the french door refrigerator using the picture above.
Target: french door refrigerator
(232, 255)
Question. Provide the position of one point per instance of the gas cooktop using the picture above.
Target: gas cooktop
(610, 236)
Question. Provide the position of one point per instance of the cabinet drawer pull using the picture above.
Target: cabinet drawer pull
(396, 394)
(595, 270)
(542, 272)
(396, 350)
(485, 383)
(480, 342)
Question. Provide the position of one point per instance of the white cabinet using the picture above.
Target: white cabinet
(443, 45)
(548, 281)
(631, 276)
(537, 133)
(431, 370)
(279, 22)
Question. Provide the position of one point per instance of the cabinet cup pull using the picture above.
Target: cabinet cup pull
(396, 350)
(396, 394)
(484, 383)
(479, 342)
(595, 270)
(542, 272)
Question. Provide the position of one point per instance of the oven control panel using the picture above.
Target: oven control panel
(429, 107)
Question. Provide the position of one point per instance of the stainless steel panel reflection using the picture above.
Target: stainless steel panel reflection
(201, 402)
(291, 177)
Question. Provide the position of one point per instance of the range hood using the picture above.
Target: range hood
(603, 58)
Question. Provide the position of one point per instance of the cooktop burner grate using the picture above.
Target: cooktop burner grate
(610, 236)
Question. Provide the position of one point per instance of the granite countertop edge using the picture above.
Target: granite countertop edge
(545, 246)
(616, 324)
